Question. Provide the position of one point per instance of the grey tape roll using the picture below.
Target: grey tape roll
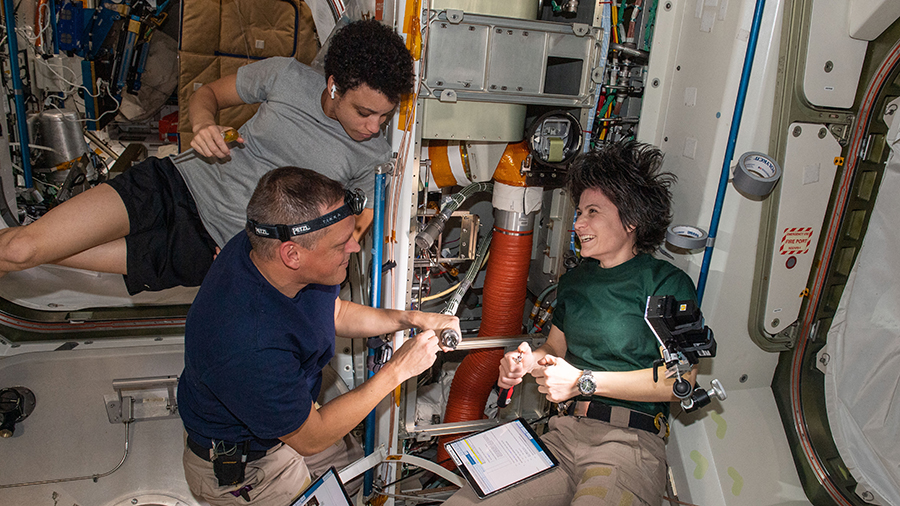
(686, 237)
(756, 174)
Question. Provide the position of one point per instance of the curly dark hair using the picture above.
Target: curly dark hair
(368, 52)
(628, 174)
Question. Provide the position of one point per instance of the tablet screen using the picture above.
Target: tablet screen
(500, 457)
(327, 490)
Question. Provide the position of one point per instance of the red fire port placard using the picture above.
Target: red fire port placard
(795, 241)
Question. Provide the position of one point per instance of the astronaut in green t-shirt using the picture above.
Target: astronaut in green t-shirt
(600, 352)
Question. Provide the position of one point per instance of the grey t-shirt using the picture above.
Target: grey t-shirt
(289, 128)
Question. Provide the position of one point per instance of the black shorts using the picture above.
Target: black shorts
(167, 244)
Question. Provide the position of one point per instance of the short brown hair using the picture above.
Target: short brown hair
(287, 196)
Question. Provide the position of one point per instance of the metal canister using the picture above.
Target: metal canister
(61, 133)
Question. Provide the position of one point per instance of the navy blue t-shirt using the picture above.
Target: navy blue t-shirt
(253, 357)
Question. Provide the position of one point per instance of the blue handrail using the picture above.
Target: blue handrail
(729, 151)
(375, 300)
(21, 119)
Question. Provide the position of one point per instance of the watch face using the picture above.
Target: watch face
(586, 385)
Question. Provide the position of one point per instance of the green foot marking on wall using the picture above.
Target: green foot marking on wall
(721, 424)
(702, 464)
(738, 481)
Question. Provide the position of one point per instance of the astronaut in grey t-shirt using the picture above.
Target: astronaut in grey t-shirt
(160, 232)
(290, 128)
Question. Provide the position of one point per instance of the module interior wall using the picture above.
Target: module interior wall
(218, 37)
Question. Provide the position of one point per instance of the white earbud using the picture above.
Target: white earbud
(333, 89)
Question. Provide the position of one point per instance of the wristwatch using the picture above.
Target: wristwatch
(586, 383)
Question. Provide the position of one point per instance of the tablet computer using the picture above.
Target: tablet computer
(326, 490)
(501, 457)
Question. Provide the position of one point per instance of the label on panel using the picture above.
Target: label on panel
(809, 172)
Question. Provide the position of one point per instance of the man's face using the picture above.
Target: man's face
(361, 111)
(326, 263)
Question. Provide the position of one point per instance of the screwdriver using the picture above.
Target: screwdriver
(506, 393)
(229, 136)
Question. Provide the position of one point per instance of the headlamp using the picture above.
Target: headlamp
(354, 203)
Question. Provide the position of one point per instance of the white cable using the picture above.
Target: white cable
(118, 104)
(43, 28)
(74, 86)
(62, 77)
(99, 93)
(33, 146)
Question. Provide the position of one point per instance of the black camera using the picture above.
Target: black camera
(678, 326)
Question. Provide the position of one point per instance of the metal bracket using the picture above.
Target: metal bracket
(580, 29)
(455, 16)
(840, 132)
(448, 96)
(386, 167)
(145, 403)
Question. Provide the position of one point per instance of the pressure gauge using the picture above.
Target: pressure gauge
(554, 139)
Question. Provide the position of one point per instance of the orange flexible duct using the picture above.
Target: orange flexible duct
(501, 315)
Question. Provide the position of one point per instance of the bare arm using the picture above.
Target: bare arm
(337, 418)
(355, 320)
(203, 106)
(638, 385)
(558, 379)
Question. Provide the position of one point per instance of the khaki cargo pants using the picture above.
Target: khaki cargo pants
(276, 478)
(599, 465)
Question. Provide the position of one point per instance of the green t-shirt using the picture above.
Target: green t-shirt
(601, 312)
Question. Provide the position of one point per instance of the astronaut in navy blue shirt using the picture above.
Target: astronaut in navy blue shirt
(260, 331)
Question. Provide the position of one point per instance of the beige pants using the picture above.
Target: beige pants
(276, 478)
(599, 464)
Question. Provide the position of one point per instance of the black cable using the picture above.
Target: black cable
(541, 419)
(5, 212)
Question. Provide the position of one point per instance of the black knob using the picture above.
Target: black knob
(12, 407)
(682, 388)
(16, 403)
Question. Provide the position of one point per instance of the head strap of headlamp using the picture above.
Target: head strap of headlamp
(354, 203)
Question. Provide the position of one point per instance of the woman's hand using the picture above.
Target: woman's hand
(515, 365)
(556, 378)
(209, 141)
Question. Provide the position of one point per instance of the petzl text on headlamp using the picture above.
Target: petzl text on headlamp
(354, 203)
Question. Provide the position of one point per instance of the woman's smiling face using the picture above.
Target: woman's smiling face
(600, 230)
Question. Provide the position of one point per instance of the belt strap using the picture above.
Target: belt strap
(620, 416)
(204, 452)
